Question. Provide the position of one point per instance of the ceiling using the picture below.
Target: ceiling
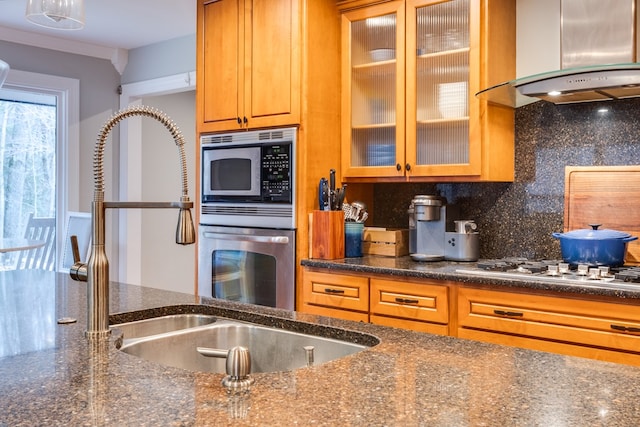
(109, 25)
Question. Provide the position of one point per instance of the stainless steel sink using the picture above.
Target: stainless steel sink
(163, 324)
(271, 349)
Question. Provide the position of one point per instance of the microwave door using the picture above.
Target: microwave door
(231, 172)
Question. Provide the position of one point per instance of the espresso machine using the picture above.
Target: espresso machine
(428, 238)
(427, 225)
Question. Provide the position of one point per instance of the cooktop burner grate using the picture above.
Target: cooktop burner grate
(554, 271)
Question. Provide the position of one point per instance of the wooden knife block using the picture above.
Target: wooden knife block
(327, 235)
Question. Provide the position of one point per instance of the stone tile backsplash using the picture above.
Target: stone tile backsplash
(517, 219)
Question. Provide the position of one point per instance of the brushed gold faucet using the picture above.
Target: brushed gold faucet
(96, 270)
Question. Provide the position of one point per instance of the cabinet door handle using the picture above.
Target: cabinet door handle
(333, 291)
(625, 328)
(239, 120)
(407, 167)
(398, 167)
(406, 300)
(508, 313)
(244, 120)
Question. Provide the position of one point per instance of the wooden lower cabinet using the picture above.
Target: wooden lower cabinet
(410, 305)
(403, 304)
(336, 295)
(577, 325)
(566, 325)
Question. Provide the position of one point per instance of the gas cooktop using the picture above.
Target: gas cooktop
(555, 271)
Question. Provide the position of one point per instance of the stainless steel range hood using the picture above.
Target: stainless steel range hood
(592, 31)
(583, 84)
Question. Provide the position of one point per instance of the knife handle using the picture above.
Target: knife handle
(340, 196)
(323, 194)
(332, 189)
(326, 196)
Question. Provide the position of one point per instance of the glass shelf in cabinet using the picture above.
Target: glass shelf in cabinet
(423, 54)
(380, 66)
(373, 126)
(442, 122)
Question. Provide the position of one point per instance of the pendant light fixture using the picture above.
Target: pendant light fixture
(57, 14)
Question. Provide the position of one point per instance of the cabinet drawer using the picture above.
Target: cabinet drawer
(336, 291)
(593, 323)
(422, 302)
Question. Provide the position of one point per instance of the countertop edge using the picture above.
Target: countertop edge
(404, 267)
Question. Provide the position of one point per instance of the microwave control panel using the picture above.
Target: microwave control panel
(276, 173)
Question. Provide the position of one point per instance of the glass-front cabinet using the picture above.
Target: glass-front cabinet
(373, 79)
(410, 73)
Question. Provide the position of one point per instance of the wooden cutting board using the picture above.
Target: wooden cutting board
(607, 195)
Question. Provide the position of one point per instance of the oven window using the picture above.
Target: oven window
(231, 174)
(244, 276)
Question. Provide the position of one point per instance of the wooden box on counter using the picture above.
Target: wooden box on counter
(327, 235)
(385, 241)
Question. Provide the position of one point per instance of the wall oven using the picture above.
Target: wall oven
(250, 265)
(246, 245)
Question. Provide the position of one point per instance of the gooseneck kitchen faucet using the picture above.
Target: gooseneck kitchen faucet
(96, 270)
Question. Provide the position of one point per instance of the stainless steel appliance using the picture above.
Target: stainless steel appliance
(251, 265)
(556, 271)
(247, 178)
(427, 222)
(463, 244)
(246, 245)
(428, 238)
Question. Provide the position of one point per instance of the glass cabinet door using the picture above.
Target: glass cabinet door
(438, 88)
(373, 90)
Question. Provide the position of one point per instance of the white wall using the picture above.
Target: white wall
(161, 59)
(166, 265)
(537, 36)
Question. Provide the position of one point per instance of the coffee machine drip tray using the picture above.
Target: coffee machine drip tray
(426, 257)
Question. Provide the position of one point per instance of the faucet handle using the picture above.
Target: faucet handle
(74, 248)
(78, 270)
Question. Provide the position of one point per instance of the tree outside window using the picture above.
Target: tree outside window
(28, 163)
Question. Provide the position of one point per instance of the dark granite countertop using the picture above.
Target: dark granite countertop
(405, 267)
(50, 375)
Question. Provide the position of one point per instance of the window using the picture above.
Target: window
(39, 150)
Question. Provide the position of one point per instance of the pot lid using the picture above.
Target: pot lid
(595, 234)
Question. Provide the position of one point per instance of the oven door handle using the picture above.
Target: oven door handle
(246, 238)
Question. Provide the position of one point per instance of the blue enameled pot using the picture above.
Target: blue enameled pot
(594, 247)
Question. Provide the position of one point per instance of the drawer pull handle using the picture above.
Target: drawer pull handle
(406, 301)
(333, 291)
(625, 329)
(508, 313)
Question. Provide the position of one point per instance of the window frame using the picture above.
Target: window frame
(67, 92)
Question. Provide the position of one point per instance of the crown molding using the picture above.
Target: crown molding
(118, 57)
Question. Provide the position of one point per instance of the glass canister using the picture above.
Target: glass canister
(353, 239)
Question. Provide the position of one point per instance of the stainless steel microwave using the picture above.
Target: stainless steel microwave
(248, 178)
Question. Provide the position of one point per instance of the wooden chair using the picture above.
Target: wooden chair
(44, 257)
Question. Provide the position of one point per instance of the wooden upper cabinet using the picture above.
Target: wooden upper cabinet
(248, 61)
(411, 70)
(373, 77)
